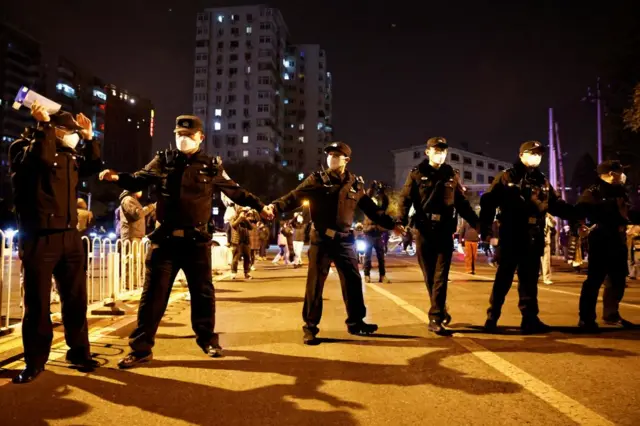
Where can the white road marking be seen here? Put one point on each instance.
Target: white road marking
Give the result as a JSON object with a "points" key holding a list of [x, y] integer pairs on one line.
{"points": [[561, 402]]}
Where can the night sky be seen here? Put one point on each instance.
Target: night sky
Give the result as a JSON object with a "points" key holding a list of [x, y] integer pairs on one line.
{"points": [[475, 71]]}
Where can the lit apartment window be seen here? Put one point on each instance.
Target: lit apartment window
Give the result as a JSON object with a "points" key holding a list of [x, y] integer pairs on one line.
{"points": [[245, 139], [220, 18], [248, 29], [245, 153], [218, 112], [217, 125], [301, 127], [301, 139]]}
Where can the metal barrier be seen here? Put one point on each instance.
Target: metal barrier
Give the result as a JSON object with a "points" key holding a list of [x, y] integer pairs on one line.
{"points": [[115, 272], [221, 258]]}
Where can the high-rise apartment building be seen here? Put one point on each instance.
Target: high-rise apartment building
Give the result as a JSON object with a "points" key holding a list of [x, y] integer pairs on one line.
{"points": [[308, 102], [20, 65], [238, 81]]}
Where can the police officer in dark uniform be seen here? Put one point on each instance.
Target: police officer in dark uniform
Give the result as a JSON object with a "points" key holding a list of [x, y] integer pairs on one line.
{"points": [[606, 205], [524, 196], [186, 179], [374, 234], [45, 170], [333, 196], [433, 189]]}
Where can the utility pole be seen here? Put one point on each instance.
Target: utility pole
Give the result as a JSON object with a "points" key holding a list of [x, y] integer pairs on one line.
{"points": [[560, 166], [552, 151], [597, 99]]}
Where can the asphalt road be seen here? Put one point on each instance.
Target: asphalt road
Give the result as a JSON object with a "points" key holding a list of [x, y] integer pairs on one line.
{"points": [[402, 376]]}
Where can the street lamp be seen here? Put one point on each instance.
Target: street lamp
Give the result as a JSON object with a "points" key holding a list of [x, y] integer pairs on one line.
{"points": [[305, 203]]}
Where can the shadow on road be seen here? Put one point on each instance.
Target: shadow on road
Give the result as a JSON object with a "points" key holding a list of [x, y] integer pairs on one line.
{"points": [[262, 299]]}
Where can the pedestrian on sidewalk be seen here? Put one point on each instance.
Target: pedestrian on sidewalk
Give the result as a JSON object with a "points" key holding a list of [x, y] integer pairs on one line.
{"points": [[186, 180], [333, 196], [283, 244], [470, 238], [373, 234], [299, 230], [45, 171], [254, 237], [241, 242], [265, 234]]}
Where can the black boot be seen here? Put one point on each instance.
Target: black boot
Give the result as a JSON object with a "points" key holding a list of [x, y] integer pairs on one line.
{"points": [[619, 321], [362, 328], [533, 326], [28, 375], [491, 326], [590, 327], [134, 359], [435, 326], [82, 362]]}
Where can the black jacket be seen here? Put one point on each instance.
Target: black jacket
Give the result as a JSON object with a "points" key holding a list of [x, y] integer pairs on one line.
{"points": [[333, 200], [45, 176], [370, 227], [608, 207], [435, 192], [524, 196], [185, 186]]}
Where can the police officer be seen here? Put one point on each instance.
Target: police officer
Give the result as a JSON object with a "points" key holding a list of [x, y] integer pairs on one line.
{"points": [[333, 196], [433, 189], [45, 170], [373, 234], [186, 179], [524, 196], [606, 205]]}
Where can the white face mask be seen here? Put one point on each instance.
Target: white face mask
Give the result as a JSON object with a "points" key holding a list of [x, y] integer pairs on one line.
{"points": [[71, 140], [531, 160], [187, 144], [335, 162], [437, 157], [609, 178]]}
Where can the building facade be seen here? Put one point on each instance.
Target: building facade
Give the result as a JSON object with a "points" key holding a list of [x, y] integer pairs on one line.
{"points": [[308, 107], [20, 65], [238, 81], [128, 130]]}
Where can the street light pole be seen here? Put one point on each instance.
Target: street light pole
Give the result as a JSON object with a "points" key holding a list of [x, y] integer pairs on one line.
{"points": [[597, 99], [599, 112]]}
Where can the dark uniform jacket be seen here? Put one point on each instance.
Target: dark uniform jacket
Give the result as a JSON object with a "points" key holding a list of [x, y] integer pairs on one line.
{"points": [[524, 197], [436, 195], [333, 200], [608, 208], [185, 186], [371, 228], [45, 175]]}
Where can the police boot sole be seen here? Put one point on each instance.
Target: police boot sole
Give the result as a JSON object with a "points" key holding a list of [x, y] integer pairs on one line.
{"points": [[311, 341], [127, 362], [362, 332], [215, 353]]}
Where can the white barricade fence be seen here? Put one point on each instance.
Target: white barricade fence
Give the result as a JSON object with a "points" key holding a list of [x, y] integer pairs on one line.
{"points": [[221, 257], [115, 271], [7, 282]]}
